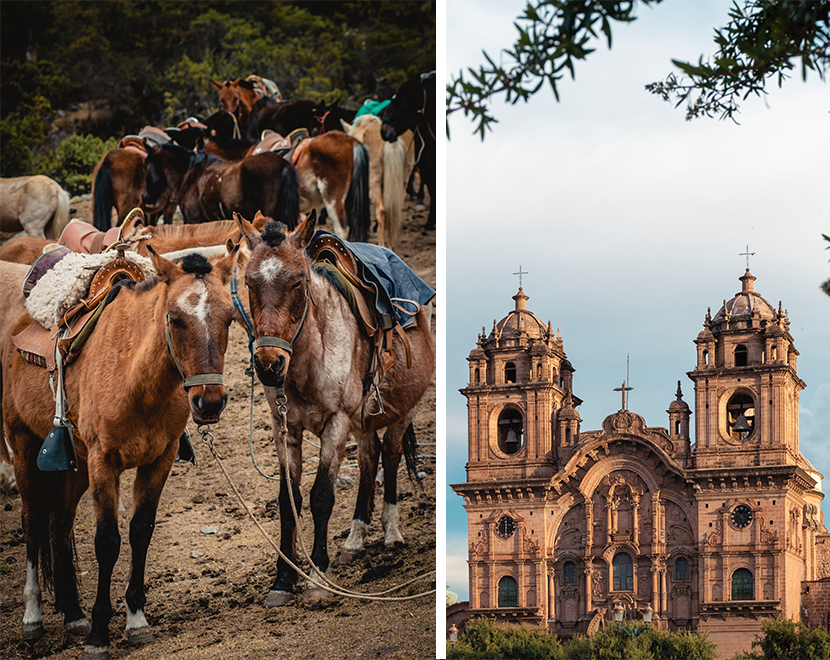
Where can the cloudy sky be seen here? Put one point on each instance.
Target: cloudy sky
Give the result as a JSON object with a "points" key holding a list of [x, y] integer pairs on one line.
{"points": [[630, 222]]}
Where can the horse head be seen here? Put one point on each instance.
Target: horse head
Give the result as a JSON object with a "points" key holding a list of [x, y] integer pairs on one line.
{"points": [[198, 314], [277, 277], [164, 168], [228, 97], [412, 104]]}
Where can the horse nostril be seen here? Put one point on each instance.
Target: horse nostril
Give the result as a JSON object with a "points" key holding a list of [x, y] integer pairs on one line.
{"points": [[279, 367]]}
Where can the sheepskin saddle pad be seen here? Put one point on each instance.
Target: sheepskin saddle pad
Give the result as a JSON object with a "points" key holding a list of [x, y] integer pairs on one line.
{"points": [[78, 277]]}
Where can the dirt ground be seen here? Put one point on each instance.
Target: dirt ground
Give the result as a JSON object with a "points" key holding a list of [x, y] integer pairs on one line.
{"points": [[209, 568]]}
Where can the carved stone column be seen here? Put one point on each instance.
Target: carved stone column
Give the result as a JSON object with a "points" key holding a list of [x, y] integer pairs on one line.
{"points": [[635, 505], [589, 521], [589, 573], [551, 594]]}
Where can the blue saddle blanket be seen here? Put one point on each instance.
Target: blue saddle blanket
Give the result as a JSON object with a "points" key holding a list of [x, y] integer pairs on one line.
{"points": [[396, 286]]}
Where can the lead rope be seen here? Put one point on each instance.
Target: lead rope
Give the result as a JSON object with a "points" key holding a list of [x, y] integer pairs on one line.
{"points": [[207, 438]]}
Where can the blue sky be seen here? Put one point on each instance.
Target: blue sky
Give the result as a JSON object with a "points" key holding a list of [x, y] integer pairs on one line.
{"points": [[629, 221]]}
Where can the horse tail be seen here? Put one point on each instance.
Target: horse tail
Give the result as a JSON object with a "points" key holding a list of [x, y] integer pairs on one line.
{"points": [[393, 188], [61, 217], [288, 200], [103, 198], [357, 201], [410, 454], [47, 490]]}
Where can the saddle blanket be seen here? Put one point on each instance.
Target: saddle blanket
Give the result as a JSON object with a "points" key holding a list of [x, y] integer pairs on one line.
{"points": [[399, 292]]}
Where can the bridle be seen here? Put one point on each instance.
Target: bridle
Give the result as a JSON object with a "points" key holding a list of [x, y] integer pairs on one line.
{"points": [[279, 342], [188, 381]]}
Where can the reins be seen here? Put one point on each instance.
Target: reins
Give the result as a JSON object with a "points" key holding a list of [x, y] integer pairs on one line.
{"points": [[207, 438]]}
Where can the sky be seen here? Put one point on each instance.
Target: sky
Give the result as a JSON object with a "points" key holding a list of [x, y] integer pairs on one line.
{"points": [[630, 222]]}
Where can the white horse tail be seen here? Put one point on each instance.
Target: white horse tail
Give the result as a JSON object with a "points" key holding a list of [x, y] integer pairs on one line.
{"points": [[61, 217], [394, 183]]}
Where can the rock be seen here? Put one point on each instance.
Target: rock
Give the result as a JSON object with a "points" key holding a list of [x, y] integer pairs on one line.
{"points": [[196, 553], [209, 529]]}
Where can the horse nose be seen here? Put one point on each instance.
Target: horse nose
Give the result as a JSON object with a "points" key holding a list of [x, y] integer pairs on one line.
{"points": [[270, 367], [388, 133], [208, 405]]}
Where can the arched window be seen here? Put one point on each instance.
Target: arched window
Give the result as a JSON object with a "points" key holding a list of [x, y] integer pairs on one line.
{"points": [[509, 372], [510, 432], [681, 569], [740, 416], [740, 355], [705, 357], [539, 371], [743, 586], [478, 377], [508, 592], [623, 572], [568, 572]]}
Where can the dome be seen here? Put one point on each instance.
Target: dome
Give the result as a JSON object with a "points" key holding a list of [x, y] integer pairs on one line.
{"points": [[520, 322], [745, 305]]}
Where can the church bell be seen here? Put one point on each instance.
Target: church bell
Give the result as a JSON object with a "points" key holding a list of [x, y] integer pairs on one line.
{"points": [[742, 425]]}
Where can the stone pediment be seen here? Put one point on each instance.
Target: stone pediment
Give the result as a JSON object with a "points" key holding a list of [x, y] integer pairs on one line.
{"points": [[625, 422]]}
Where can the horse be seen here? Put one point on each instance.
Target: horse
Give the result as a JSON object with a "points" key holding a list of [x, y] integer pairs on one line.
{"points": [[34, 204], [118, 180], [154, 360], [285, 116], [208, 188], [390, 164], [237, 98], [312, 358], [413, 108], [334, 174]]}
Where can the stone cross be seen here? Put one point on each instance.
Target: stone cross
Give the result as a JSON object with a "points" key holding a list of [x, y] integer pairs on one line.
{"points": [[623, 388]]}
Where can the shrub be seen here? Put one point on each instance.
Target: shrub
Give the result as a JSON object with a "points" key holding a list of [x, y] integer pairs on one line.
{"points": [[72, 163], [484, 640]]}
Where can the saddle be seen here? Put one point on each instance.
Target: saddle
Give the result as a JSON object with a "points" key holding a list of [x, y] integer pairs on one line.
{"points": [[273, 141], [373, 280]]}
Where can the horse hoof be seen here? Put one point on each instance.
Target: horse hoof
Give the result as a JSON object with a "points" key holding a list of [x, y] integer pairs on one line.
{"points": [[139, 636], [33, 631], [314, 594], [278, 598], [96, 653], [78, 627], [394, 544], [347, 557]]}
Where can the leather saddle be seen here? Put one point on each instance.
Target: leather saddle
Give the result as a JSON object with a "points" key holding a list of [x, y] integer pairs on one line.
{"points": [[273, 141]]}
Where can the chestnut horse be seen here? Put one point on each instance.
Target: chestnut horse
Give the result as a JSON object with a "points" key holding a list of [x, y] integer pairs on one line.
{"points": [[208, 188], [413, 108], [155, 358], [237, 98], [310, 349], [34, 204], [117, 181]]}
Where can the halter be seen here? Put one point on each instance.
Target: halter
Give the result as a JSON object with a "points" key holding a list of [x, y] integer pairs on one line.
{"points": [[189, 381], [322, 120], [278, 342]]}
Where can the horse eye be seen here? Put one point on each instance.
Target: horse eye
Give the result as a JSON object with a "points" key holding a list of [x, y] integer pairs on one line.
{"points": [[174, 320], [296, 285]]}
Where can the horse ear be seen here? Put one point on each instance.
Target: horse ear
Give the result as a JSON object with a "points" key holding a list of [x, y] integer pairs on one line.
{"points": [[248, 231], [303, 233], [347, 127], [164, 267], [224, 266], [218, 84]]}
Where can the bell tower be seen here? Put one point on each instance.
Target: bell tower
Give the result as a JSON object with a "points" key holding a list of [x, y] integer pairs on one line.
{"points": [[756, 493], [520, 382]]}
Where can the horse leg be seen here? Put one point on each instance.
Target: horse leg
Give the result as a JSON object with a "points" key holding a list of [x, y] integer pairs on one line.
{"points": [[26, 475], [291, 464], [396, 437], [335, 201], [104, 482], [149, 482], [368, 454], [62, 521], [332, 451]]}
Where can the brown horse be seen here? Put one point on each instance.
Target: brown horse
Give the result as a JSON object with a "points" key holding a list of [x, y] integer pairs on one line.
{"points": [[34, 204], [118, 181], [126, 399], [208, 188], [390, 164], [237, 98], [309, 347]]}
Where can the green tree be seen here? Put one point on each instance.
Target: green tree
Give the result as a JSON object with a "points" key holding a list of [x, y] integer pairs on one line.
{"points": [[762, 40], [784, 639], [485, 640]]}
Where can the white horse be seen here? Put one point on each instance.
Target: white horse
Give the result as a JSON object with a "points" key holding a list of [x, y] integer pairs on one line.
{"points": [[34, 204], [390, 164]]}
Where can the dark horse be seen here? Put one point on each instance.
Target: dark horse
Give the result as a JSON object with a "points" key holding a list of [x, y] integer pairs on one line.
{"points": [[208, 188], [125, 394], [286, 116], [413, 108], [309, 345]]}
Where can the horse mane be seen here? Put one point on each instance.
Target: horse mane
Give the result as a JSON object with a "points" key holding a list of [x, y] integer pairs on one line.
{"points": [[274, 233], [192, 230], [196, 264]]}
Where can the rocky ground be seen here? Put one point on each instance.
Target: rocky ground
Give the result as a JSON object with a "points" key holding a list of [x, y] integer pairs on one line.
{"points": [[209, 568]]}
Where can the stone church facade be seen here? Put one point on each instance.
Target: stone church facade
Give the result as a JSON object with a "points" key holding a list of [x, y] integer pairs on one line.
{"points": [[714, 533]]}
